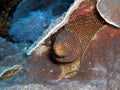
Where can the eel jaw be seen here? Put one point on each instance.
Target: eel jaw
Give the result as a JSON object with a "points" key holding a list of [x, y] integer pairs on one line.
{"points": [[66, 47], [59, 50]]}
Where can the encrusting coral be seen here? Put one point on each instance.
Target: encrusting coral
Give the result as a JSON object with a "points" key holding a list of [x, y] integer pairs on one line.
{"points": [[72, 35], [53, 28], [6, 10], [32, 17], [10, 71], [110, 13]]}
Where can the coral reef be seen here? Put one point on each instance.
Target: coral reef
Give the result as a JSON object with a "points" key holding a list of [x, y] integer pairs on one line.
{"points": [[9, 72], [97, 71], [53, 28], [68, 17], [57, 7], [75, 36], [110, 12], [7, 8], [32, 17], [3, 27], [101, 58], [97, 68], [26, 6], [29, 28], [8, 48]]}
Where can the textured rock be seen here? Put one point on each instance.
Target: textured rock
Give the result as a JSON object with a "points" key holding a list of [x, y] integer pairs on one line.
{"points": [[98, 70], [54, 6], [6, 10], [52, 29], [9, 49], [32, 17], [35, 70], [9, 72], [101, 58], [99, 67], [62, 85], [74, 36], [110, 12], [29, 28]]}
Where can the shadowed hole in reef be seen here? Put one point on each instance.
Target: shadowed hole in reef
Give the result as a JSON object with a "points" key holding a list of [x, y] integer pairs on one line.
{"points": [[7, 8]]}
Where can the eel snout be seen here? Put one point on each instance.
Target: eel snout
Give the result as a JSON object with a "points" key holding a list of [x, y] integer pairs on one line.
{"points": [[65, 47], [74, 37]]}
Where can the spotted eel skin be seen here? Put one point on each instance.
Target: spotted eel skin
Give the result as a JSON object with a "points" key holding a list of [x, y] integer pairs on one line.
{"points": [[73, 38]]}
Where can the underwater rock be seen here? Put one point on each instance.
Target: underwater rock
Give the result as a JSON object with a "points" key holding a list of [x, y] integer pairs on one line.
{"points": [[53, 28], [110, 12], [74, 36], [101, 58], [9, 72], [54, 6], [57, 7], [98, 70], [7, 8], [62, 85], [32, 17], [3, 27], [9, 49], [34, 69], [27, 6], [29, 28]]}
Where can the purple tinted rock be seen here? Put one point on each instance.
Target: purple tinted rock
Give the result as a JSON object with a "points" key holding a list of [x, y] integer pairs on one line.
{"points": [[27, 6], [109, 10], [101, 58], [7, 48]]}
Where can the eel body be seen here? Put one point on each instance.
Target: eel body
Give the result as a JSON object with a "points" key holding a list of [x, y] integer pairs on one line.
{"points": [[73, 38]]}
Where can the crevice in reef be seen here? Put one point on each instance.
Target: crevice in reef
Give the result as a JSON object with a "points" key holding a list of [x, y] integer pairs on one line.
{"points": [[7, 8]]}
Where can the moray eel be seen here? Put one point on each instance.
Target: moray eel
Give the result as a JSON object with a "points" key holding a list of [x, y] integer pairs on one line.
{"points": [[73, 38], [66, 46]]}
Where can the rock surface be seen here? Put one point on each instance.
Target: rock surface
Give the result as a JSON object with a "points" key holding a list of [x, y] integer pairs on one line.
{"points": [[57, 7], [99, 68], [32, 17]]}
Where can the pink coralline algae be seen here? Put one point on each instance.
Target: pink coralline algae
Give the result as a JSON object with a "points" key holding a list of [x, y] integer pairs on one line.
{"points": [[84, 10]]}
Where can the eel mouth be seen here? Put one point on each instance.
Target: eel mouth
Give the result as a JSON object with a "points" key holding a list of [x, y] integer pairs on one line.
{"points": [[66, 46], [71, 42], [59, 50]]}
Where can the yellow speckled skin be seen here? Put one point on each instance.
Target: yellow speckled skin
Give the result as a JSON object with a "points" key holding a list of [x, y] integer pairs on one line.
{"points": [[75, 35]]}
